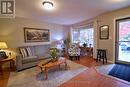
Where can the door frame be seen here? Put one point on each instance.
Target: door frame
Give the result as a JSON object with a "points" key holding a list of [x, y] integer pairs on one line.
{"points": [[117, 40]]}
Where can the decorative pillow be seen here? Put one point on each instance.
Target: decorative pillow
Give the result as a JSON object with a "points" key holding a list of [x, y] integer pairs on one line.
{"points": [[28, 49], [23, 52]]}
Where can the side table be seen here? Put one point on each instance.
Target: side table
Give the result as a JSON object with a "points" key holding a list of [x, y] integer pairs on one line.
{"points": [[11, 60]]}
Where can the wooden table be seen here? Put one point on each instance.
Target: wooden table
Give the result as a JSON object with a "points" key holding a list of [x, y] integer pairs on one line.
{"points": [[86, 51], [11, 60], [46, 67], [92, 78]]}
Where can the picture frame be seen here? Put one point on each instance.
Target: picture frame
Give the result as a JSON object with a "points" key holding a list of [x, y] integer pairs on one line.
{"points": [[104, 32], [36, 35]]}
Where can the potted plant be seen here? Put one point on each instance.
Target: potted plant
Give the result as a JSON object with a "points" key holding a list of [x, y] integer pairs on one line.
{"points": [[66, 43], [53, 53]]}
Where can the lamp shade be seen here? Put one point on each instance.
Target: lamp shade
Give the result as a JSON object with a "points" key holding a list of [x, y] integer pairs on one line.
{"points": [[3, 45]]}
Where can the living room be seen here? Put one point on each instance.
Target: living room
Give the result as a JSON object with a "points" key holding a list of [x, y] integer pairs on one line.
{"points": [[37, 43]]}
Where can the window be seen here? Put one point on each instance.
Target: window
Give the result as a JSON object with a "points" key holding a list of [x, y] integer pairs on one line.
{"points": [[86, 36], [83, 36]]}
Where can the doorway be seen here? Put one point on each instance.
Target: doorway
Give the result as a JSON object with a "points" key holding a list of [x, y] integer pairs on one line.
{"points": [[123, 41]]}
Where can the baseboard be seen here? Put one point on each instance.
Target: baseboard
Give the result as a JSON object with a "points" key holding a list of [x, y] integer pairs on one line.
{"points": [[110, 61], [107, 60], [94, 58]]}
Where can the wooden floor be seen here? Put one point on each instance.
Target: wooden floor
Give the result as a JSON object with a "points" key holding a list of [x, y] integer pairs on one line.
{"points": [[92, 78], [4, 76], [86, 61]]}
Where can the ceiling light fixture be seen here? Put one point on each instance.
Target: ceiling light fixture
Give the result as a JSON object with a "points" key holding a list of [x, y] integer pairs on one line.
{"points": [[48, 5]]}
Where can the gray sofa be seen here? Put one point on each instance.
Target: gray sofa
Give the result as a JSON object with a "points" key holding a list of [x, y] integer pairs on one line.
{"points": [[37, 53]]}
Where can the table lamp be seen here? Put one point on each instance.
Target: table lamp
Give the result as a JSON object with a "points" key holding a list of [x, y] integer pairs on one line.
{"points": [[3, 45]]}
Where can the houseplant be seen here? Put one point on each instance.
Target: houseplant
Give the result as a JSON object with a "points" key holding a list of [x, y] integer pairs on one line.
{"points": [[66, 43], [53, 53]]}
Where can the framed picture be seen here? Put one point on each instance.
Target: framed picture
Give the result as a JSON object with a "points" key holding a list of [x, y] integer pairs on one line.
{"points": [[104, 32], [36, 35]]}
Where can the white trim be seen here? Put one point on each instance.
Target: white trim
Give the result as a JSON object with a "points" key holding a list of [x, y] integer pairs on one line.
{"points": [[114, 38], [121, 17], [109, 61], [94, 58], [114, 35], [95, 39], [71, 34]]}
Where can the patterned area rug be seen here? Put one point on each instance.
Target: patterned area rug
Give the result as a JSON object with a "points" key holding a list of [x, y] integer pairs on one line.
{"points": [[33, 78]]}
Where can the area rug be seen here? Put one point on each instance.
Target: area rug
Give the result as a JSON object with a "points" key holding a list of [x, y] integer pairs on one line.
{"points": [[33, 78], [104, 69], [121, 71]]}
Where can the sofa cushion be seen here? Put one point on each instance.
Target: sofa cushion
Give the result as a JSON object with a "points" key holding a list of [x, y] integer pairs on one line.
{"points": [[29, 51], [32, 48], [46, 56], [23, 51], [30, 59]]}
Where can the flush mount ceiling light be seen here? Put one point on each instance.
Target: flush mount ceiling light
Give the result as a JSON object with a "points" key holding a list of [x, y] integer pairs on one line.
{"points": [[48, 5]]}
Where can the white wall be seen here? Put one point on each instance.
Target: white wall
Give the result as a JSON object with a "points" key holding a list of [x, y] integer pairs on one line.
{"points": [[11, 31], [106, 19]]}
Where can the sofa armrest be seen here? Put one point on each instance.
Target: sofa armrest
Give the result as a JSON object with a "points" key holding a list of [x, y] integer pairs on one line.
{"points": [[19, 62]]}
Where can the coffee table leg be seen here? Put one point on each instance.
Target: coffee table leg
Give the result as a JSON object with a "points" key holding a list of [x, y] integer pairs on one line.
{"points": [[59, 66], [41, 69], [46, 73], [65, 65], [1, 71]]}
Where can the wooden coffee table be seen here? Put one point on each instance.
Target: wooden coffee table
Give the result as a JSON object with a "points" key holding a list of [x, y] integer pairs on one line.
{"points": [[46, 67]]}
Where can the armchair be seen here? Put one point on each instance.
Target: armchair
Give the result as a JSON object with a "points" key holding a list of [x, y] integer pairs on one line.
{"points": [[74, 51]]}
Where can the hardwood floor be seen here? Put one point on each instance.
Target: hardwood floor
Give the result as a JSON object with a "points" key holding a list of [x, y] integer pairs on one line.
{"points": [[86, 61], [91, 78], [4, 76]]}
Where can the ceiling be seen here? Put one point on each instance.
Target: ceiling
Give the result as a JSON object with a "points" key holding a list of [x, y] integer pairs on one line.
{"points": [[67, 12]]}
